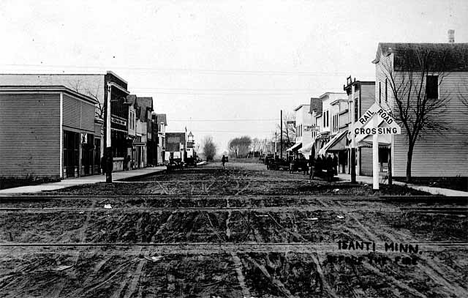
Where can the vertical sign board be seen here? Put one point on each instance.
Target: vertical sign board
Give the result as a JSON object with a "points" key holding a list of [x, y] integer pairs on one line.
{"points": [[370, 124]]}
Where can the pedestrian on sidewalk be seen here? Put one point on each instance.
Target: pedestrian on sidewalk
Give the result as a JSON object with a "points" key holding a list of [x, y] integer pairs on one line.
{"points": [[311, 167], [335, 165], [103, 165], [126, 163], [329, 166]]}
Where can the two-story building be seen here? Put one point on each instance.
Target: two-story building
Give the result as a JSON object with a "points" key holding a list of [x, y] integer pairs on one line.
{"points": [[430, 82], [315, 109], [364, 98], [303, 129], [327, 122], [161, 123]]}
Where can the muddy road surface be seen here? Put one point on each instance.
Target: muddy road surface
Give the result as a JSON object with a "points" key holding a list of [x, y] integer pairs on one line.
{"points": [[242, 231]]}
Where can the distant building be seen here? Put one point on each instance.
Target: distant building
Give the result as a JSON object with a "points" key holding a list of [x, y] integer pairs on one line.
{"points": [[315, 109], [303, 128], [48, 131], [175, 145], [161, 123], [327, 121], [364, 98], [444, 76]]}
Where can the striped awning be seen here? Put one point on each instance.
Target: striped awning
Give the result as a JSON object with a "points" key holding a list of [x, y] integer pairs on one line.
{"points": [[308, 147], [337, 143], [295, 147]]}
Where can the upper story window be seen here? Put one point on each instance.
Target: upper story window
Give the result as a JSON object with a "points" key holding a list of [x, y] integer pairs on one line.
{"points": [[380, 93], [132, 120], [356, 109], [432, 87], [326, 119]]}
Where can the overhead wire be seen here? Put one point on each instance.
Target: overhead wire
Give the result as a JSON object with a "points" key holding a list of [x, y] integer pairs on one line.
{"points": [[188, 70], [222, 120]]}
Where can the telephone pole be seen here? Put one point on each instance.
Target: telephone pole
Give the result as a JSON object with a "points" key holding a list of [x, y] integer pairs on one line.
{"points": [[281, 134]]}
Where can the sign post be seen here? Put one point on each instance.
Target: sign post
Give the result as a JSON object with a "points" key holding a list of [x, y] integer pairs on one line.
{"points": [[370, 124], [375, 156]]}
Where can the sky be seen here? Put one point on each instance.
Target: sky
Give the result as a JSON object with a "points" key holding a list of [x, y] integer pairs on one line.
{"points": [[223, 69]]}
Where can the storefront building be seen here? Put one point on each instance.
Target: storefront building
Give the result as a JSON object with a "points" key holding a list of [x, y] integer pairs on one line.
{"points": [[48, 131]]}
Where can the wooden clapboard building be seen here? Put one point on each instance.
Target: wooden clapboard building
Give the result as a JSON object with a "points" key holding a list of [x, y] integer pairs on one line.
{"points": [[439, 73], [97, 86], [48, 131]]}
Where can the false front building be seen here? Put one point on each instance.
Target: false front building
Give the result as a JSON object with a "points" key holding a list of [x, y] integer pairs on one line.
{"points": [[48, 132]]}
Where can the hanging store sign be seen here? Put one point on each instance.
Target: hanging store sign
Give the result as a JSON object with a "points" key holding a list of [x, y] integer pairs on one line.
{"points": [[118, 121]]}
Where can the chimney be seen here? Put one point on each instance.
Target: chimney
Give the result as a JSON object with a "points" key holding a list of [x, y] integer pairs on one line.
{"points": [[451, 36]]}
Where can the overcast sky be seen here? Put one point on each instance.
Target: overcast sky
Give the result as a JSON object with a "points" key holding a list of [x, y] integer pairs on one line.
{"points": [[220, 68]]}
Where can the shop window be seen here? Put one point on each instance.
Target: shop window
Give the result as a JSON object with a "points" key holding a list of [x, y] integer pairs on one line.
{"points": [[71, 143]]}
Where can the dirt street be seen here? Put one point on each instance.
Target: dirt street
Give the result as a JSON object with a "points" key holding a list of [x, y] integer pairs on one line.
{"points": [[243, 231]]}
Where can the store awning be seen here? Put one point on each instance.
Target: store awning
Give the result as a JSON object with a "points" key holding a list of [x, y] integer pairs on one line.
{"points": [[337, 143], [295, 147], [307, 147]]}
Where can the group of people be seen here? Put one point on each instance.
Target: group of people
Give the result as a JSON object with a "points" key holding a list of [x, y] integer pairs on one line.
{"points": [[329, 164]]}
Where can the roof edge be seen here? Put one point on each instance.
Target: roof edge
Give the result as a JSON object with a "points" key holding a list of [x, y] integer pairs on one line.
{"points": [[45, 88]]}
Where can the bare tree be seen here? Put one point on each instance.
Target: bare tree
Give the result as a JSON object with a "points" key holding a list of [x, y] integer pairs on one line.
{"points": [[78, 87], [256, 145], [415, 105], [209, 148]]}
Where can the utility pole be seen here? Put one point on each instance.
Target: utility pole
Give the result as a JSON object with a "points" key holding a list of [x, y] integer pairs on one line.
{"points": [[353, 136], [281, 134], [276, 143], [108, 152]]}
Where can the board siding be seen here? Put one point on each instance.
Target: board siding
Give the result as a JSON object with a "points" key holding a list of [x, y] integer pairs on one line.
{"points": [[438, 154], [30, 135], [78, 114]]}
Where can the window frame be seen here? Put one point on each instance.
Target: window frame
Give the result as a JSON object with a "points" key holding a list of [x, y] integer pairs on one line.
{"points": [[436, 76]]}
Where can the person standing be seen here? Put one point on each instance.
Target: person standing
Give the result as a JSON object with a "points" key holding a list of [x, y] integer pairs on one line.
{"points": [[103, 165], [126, 162], [335, 165], [223, 161], [311, 167], [329, 165]]}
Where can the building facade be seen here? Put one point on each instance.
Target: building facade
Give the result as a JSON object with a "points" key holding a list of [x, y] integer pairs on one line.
{"points": [[161, 123], [48, 132], [98, 87], [364, 98], [303, 129], [176, 143], [440, 72], [326, 121]]}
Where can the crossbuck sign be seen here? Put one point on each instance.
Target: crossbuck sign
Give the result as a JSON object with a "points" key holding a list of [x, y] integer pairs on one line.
{"points": [[364, 126]]}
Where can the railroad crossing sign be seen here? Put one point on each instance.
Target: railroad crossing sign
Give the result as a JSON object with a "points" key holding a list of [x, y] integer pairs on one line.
{"points": [[375, 121], [386, 124]]}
